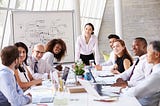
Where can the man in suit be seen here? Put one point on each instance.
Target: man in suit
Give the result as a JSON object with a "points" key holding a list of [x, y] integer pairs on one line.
{"points": [[10, 92]]}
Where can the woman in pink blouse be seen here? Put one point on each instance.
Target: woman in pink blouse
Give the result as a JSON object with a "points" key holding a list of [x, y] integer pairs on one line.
{"points": [[87, 46]]}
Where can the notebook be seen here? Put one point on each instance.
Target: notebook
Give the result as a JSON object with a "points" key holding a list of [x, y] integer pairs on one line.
{"points": [[92, 91]]}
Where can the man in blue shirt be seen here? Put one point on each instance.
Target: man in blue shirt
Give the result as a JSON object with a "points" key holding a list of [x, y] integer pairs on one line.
{"points": [[10, 92]]}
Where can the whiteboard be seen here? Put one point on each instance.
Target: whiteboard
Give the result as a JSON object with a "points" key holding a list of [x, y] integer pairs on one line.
{"points": [[32, 27]]}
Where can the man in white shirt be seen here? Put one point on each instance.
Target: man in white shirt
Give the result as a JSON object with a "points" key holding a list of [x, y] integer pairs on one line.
{"points": [[148, 90], [138, 71], [40, 68], [108, 65]]}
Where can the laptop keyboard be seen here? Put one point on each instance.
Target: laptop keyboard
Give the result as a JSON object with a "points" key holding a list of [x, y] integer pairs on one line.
{"points": [[103, 83]]}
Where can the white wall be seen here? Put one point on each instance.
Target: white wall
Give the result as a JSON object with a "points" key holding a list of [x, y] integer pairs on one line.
{"points": [[140, 18]]}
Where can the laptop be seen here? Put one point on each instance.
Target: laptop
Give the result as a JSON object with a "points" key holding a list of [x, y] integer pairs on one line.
{"points": [[92, 91], [65, 73], [103, 83]]}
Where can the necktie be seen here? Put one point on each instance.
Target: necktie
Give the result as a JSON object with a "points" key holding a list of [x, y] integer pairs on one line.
{"points": [[133, 69], [36, 67], [151, 71]]}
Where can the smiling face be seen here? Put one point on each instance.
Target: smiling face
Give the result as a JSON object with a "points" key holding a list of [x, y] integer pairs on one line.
{"points": [[38, 51], [57, 49], [151, 55], [117, 48], [111, 41], [138, 48], [88, 30], [22, 54]]}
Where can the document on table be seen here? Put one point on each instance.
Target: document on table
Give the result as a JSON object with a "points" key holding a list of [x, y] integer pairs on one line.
{"points": [[42, 94], [106, 99]]}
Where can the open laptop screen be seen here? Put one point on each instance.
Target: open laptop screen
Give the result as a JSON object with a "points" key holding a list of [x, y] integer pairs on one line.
{"points": [[65, 73], [94, 80]]}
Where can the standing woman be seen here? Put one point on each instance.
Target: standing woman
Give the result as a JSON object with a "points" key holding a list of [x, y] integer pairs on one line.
{"points": [[87, 46], [22, 74], [123, 59], [55, 50]]}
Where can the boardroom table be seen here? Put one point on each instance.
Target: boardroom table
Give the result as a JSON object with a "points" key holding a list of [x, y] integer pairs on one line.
{"points": [[84, 99]]}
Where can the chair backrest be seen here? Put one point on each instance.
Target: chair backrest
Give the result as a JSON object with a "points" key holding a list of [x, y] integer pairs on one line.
{"points": [[105, 55]]}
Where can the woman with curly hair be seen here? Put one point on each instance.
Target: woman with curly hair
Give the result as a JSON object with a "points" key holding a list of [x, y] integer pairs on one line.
{"points": [[55, 50]]}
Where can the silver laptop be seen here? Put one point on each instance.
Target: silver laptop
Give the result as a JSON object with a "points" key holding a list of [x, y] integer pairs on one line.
{"points": [[92, 91], [102, 83], [65, 73]]}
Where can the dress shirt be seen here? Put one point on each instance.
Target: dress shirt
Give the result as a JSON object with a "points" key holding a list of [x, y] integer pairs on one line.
{"points": [[86, 49], [43, 68], [108, 65], [148, 91], [49, 57], [142, 69], [10, 90], [22, 76]]}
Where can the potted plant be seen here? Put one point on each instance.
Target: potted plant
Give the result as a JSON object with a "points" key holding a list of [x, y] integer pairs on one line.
{"points": [[79, 68]]}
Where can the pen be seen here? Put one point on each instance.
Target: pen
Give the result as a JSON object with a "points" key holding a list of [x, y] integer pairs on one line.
{"points": [[106, 75]]}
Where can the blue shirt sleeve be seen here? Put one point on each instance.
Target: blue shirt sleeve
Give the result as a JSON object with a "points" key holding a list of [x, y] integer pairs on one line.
{"points": [[11, 90]]}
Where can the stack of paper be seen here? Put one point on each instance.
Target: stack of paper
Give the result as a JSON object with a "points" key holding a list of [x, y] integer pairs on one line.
{"points": [[42, 94]]}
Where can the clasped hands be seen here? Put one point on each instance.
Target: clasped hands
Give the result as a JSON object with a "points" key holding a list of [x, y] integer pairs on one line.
{"points": [[120, 83]]}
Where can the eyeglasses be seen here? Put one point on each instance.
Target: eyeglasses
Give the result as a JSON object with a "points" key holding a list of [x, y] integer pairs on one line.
{"points": [[39, 52]]}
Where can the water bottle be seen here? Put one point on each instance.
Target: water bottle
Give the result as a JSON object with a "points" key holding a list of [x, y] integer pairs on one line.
{"points": [[91, 63], [51, 75], [61, 84], [87, 76]]}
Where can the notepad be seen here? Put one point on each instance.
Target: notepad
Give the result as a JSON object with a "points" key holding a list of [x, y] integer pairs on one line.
{"points": [[36, 100], [42, 94], [76, 89]]}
